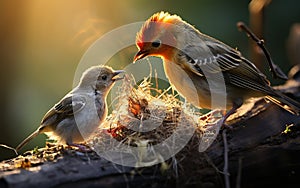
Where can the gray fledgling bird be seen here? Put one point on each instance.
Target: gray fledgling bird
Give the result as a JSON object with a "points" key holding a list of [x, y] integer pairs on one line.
{"points": [[76, 116]]}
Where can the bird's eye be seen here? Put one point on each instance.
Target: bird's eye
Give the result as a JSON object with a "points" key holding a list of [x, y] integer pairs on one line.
{"points": [[156, 43], [104, 77]]}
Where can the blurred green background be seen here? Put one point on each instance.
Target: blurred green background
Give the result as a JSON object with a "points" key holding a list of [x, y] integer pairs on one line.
{"points": [[42, 42]]}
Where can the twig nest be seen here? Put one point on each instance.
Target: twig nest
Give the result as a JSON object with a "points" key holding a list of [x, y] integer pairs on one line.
{"points": [[150, 124]]}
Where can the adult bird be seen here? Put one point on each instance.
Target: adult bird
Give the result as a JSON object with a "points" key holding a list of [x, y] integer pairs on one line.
{"points": [[207, 72]]}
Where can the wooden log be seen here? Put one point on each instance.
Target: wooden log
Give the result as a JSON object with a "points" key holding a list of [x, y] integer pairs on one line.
{"points": [[263, 150]]}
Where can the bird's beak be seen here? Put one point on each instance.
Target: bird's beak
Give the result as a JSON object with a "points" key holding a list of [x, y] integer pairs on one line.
{"points": [[140, 55], [116, 76]]}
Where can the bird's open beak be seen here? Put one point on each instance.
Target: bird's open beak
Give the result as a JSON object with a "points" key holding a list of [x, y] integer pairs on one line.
{"points": [[116, 75], [140, 55]]}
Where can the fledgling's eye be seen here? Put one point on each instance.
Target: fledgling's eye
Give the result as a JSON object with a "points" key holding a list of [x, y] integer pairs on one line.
{"points": [[104, 77], [156, 43]]}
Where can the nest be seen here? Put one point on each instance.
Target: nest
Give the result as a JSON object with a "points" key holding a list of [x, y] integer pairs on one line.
{"points": [[151, 125]]}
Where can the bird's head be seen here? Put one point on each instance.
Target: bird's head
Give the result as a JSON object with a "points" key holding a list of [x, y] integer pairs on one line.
{"points": [[100, 78], [158, 36]]}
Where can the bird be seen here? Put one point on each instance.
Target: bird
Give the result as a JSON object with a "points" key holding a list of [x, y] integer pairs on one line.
{"points": [[77, 115], [205, 71]]}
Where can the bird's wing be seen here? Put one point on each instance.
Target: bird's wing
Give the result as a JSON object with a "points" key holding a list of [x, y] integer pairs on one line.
{"points": [[215, 57], [211, 57], [68, 106]]}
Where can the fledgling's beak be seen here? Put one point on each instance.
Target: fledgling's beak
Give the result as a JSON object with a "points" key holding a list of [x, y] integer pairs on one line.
{"points": [[140, 55], [116, 75]]}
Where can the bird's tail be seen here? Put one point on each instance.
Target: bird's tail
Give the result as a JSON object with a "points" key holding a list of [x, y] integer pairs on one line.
{"points": [[30, 137], [285, 102]]}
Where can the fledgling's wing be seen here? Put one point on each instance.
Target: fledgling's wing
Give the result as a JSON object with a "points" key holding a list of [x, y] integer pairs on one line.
{"points": [[67, 107], [70, 105]]}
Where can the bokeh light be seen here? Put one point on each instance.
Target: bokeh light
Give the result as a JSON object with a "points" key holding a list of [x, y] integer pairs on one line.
{"points": [[42, 43]]}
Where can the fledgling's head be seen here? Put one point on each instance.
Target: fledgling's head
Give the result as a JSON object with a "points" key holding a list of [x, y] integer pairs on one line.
{"points": [[100, 78], [158, 36]]}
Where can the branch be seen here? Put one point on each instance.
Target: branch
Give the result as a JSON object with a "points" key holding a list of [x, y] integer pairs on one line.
{"points": [[276, 71], [225, 169]]}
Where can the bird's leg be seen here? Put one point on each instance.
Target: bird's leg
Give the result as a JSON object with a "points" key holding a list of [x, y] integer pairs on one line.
{"points": [[236, 105], [211, 119]]}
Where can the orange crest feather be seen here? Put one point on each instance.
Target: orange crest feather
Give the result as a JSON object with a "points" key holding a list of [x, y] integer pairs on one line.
{"points": [[150, 28]]}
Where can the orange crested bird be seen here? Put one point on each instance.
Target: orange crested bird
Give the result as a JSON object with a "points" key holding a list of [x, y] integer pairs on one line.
{"points": [[207, 72]]}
